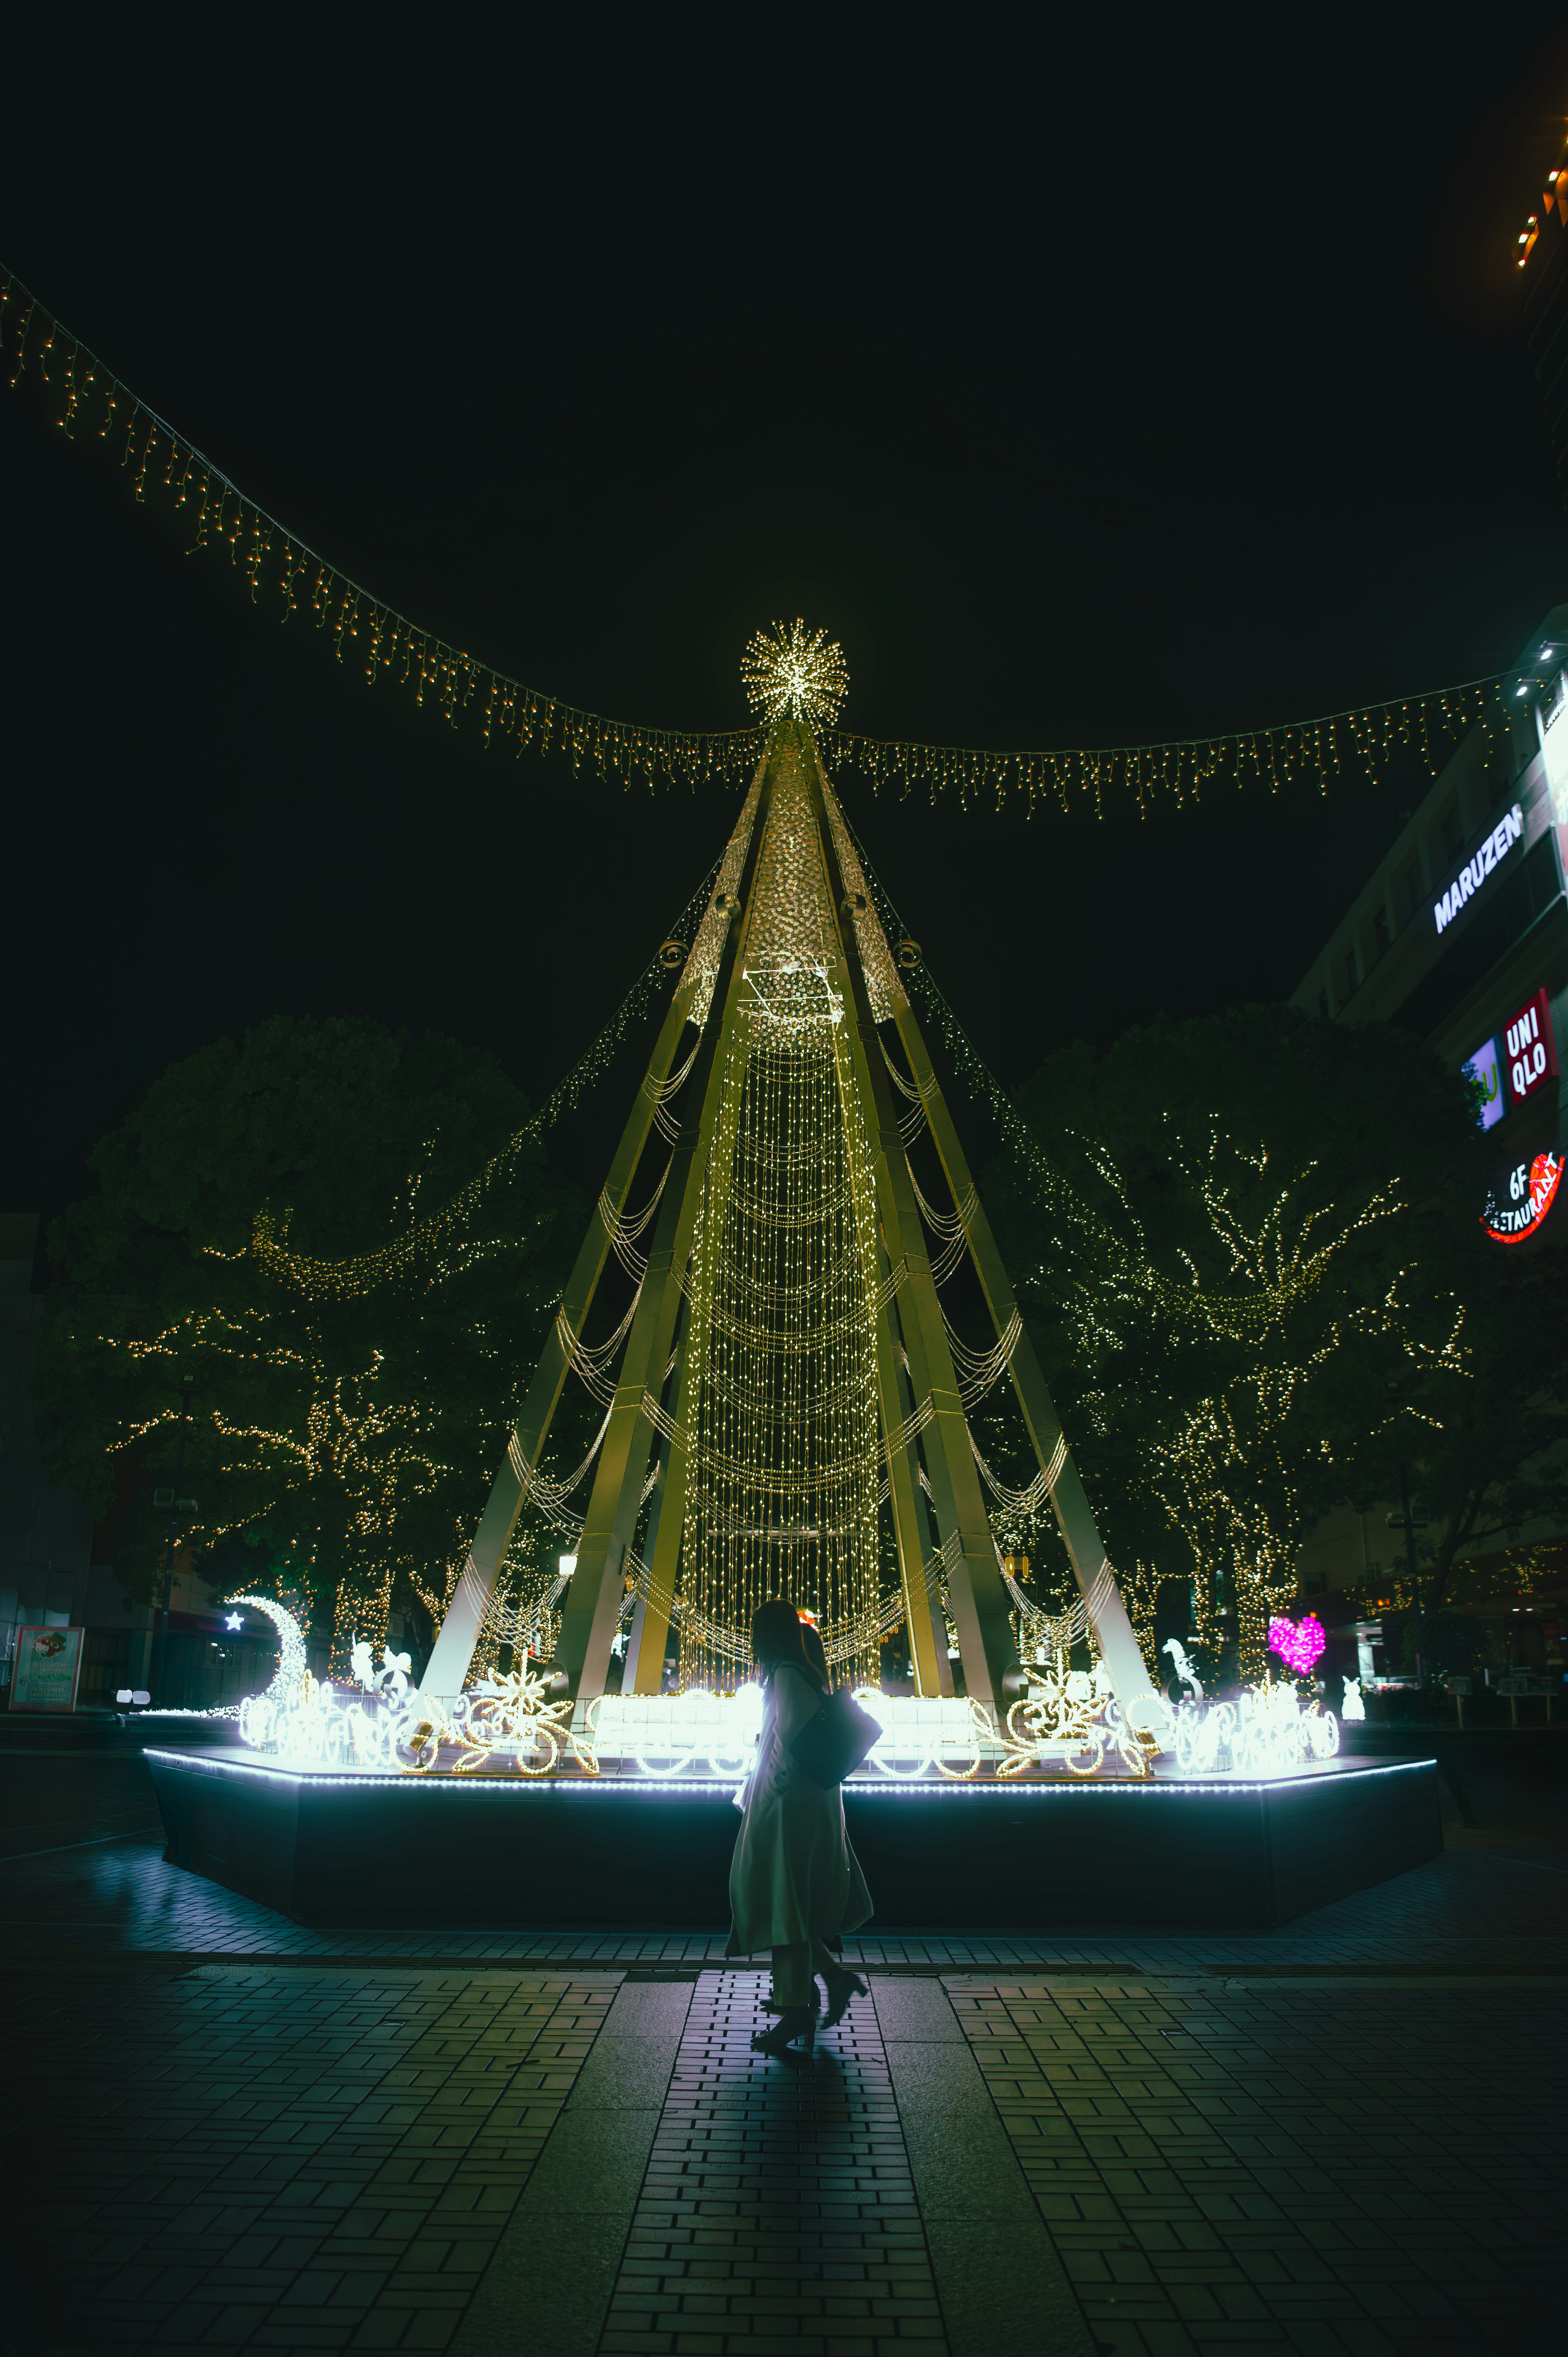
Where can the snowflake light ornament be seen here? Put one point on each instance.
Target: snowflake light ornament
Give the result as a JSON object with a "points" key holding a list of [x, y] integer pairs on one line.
{"points": [[795, 675]]}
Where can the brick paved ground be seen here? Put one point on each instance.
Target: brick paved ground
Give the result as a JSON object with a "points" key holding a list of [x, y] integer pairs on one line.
{"points": [[1325, 2169], [1473, 1909], [1341, 2136], [778, 2209], [247, 2160]]}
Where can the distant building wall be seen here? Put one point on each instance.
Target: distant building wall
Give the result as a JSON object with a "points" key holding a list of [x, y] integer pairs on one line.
{"points": [[46, 1533], [1459, 932]]}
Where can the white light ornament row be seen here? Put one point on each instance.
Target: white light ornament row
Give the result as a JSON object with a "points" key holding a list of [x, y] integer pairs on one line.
{"points": [[1070, 1718], [1266, 1731], [512, 1721]]}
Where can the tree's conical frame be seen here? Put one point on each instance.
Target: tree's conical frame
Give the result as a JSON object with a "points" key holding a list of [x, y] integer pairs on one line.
{"points": [[791, 868]]}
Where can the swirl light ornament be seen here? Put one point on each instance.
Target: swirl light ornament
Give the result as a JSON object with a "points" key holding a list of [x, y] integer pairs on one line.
{"points": [[1264, 1732], [795, 675]]}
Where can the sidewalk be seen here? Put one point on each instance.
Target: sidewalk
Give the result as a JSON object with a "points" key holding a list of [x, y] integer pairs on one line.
{"points": [[1341, 2136]]}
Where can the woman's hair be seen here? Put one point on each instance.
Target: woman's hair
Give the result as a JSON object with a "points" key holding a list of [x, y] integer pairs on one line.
{"points": [[815, 1652], [778, 1633]]}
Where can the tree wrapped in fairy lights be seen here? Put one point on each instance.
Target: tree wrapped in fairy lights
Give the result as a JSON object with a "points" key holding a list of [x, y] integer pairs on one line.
{"points": [[1255, 1303], [334, 1437]]}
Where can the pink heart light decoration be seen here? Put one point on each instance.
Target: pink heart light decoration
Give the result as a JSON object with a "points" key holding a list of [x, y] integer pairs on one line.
{"points": [[1298, 1643]]}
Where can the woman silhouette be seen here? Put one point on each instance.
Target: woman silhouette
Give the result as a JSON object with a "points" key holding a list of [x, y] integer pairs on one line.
{"points": [[795, 1885]]}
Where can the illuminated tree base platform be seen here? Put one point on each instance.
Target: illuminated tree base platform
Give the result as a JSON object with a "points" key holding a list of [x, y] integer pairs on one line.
{"points": [[1165, 1852]]}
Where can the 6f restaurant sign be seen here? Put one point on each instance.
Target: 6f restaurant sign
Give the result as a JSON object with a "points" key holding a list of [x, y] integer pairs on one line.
{"points": [[1516, 1206], [1525, 1058]]}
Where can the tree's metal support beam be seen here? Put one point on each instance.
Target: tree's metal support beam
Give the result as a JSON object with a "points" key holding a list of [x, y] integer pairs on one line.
{"points": [[638, 1629], [911, 1523], [979, 1600], [593, 1601], [1075, 1518], [920, 1598], [664, 1550], [448, 1665]]}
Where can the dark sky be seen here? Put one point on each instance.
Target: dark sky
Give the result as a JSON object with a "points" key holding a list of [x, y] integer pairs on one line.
{"points": [[1089, 387]]}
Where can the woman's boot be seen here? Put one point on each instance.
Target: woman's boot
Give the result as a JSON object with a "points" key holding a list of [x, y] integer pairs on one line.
{"points": [[796, 2023], [840, 1985]]}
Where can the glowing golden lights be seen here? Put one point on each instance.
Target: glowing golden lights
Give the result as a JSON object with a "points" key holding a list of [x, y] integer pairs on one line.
{"points": [[788, 672], [795, 675]]}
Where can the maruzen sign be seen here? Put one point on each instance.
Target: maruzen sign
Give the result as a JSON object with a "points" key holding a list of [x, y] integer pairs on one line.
{"points": [[1508, 830]]}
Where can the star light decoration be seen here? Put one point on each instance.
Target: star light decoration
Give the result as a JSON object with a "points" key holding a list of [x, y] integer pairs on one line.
{"points": [[795, 675]]}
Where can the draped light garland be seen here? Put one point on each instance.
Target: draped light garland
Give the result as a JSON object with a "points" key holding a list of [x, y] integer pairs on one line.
{"points": [[1220, 1474], [1282, 1270], [89, 404], [417, 1251]]}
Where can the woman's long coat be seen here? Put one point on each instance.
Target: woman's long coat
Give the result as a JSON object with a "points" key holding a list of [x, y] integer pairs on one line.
{"points": [[793, 1872]]}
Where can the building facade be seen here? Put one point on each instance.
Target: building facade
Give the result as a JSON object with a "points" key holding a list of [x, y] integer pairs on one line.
{"points": [[1460, 935]]}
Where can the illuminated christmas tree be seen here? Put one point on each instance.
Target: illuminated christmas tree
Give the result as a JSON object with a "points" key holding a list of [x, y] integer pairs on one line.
{"points": [[785, 1371]]}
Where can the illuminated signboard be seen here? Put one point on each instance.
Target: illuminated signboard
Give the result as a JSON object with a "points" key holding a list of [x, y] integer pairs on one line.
{"points": [[1532, 1057], [1485, 1074], [1518, 1208], [1508, 830]]}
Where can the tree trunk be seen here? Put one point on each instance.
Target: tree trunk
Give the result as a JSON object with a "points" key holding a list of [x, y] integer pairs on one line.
{"points": [[1459, 1527]]}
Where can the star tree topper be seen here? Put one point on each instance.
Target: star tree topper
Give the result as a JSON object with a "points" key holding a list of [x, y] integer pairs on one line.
{"points": [[796, 674]]}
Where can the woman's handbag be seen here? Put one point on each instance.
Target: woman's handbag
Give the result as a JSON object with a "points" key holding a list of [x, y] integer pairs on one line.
{"points": [[835, 1740]]}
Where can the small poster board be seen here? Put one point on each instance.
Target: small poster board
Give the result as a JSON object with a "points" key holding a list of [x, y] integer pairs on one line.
{"points": [[49, 1666]]}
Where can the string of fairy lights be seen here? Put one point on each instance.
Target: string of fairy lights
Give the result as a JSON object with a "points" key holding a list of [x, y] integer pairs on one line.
{"points": [[1219, 1472], [1279, 1279], [782, 1439], [417, 1250], [378, 1456], [89, 404], [783, 1466], [783, 1462]]}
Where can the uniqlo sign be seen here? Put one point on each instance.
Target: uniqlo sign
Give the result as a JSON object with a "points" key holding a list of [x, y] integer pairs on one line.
{"points": [[1531, 1059]]}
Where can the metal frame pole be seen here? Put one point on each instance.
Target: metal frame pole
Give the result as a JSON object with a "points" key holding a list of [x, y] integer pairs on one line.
{"points": [[979, 1600], [1075, 1517], [664, 1546], [592, 1601], [454, 1650]]}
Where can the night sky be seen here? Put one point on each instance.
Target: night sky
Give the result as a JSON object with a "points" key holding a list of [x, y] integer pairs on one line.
{"points": [[1112, 387]]}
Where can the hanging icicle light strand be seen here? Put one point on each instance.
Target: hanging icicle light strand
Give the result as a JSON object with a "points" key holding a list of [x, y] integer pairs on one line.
{"points": [[793, 673]]}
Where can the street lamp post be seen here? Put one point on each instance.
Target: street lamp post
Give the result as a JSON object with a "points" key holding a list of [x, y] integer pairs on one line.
{"points": [[177, 1506]]}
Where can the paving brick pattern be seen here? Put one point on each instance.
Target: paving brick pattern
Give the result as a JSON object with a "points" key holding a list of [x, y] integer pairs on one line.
{"points": [[1323, 2170], [1301, 2139], [1468, 1912], [778, 2214], [290, 2161]]}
